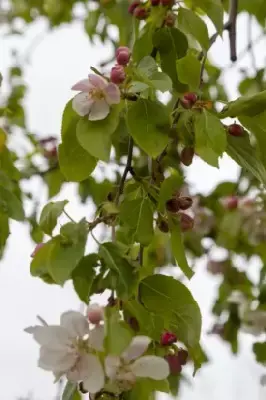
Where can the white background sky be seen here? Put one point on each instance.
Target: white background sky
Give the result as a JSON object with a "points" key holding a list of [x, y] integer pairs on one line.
{"points": [[60, 60]]}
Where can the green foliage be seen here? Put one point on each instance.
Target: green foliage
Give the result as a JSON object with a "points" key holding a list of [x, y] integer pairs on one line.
{"points": [[50, 214], [83, 276], [118, 335], [191, 23], [147, 123], [260, 352], [189, 70]]}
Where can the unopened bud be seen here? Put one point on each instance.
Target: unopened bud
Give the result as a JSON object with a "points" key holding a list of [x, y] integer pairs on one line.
{"points": [[118, 74], [122, 55], [186, 222], [185, 202], [132, 6], [230, 202], [37, 248], [168, 338], [141, 13], [174, 364], [172, 205], [95, 313], [186, 156]]}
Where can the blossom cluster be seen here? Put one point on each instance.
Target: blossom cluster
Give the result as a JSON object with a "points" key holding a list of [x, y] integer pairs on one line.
{"points": [[76, 349]]}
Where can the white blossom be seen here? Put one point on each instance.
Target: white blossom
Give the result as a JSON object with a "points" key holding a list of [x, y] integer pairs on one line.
{"points": [[69, 349], [132, 364]]}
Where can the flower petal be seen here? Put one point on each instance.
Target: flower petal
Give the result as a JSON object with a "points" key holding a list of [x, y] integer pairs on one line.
{"points": [[137, 347], [111, 365], [150, 367], [112, 94], [96, 337], [94, 380], [79, 370], [52, 336], [56, 361], [75, 323], [99, 110], [97, 81], [82, 103], [83, 86]]}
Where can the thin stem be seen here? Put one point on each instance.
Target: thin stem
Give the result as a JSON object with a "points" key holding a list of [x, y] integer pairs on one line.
{"points": [[213, 39], [141, 252], [232, 29], [126, 170], [69, 217], [202, 68], [94, 238]]}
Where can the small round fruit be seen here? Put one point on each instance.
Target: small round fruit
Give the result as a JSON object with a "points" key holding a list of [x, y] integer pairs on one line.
{"points": [[235, 130]]}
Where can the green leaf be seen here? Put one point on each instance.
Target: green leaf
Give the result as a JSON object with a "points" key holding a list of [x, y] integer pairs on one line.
{"points": [[257, 126], [95, 136], [11, 205], [146, 121], [118, 335], [229, 229], [149, 323], [50, 214], [7, 165], [147, 66], [245, 105], [171, 299], [147, 72], [161, 81], [75, 162], [54, 180], [189, 70], [138, 215], [143, 45], [83, 276], [178, 249], [169, 186], [69, 392], [210, 137], [121, 267], [4, 231], [67, 250], [172, 44], [40, 263], [240, 149], [260, 351], [191, 23], [214, 10]]}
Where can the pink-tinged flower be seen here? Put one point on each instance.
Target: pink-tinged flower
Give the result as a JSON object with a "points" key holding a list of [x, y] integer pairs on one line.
{"points": [[168, 338], [95, 97]]}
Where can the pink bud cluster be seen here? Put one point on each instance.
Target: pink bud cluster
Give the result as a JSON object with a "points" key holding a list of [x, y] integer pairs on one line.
{"points": [[118, 74]]}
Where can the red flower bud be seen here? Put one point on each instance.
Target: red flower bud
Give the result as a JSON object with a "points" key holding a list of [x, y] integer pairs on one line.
{"points": [[37, 248], [186, 156], [186, 222], [185, 202], [172, 205], [122, 48], [174, 364], [235, 130], [132, 6], [186, 104], [192, 97], [123, 57], [140, 13], [155, 3], [182, 356], [230, 202], [168, 338], [118, 74]]}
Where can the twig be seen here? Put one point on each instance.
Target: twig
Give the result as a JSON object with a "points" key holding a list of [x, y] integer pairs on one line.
{"points": [[126, 170], [213, 39], [232, 29], [202, 68]]}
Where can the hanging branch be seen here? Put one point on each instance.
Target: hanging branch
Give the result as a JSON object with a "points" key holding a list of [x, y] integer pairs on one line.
{"points": [[232, 29]]}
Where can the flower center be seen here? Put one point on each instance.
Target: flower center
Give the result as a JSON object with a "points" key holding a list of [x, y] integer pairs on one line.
{"points": [[96, 94]]}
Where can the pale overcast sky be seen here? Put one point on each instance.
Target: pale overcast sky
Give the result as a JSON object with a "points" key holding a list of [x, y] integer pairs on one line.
{"points": [[60, 60]]}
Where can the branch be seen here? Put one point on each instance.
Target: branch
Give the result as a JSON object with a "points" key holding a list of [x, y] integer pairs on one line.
{"points": [[126, 170], [232, 29]]}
